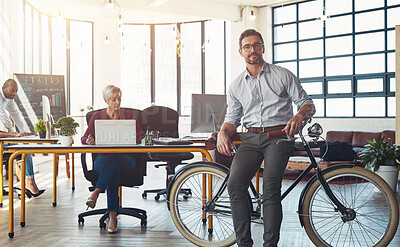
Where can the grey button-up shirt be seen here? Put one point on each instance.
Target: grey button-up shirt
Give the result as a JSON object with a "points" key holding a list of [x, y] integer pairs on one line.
{"points": [[264, 101]]}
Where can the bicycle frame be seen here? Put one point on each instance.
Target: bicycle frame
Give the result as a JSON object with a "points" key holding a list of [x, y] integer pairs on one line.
{"points": [[318, 173], [210, 205]]}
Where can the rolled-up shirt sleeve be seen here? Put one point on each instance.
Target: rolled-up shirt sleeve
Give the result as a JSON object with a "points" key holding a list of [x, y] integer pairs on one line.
{"points": [[234, 111], [296, 92]]}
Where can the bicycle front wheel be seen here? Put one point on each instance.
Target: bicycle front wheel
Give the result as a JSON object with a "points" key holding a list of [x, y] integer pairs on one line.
{"points": [[373, 208], [201, 223]]}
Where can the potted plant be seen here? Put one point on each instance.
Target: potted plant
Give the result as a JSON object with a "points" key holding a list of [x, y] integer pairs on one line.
{"points": [[67, 126], [383, 158], [40, 128]]}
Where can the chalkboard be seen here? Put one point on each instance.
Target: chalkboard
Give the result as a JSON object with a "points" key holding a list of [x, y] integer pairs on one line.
{"points": [[29, 98]]}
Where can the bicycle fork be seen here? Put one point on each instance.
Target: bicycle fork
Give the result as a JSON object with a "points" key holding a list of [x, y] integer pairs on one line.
{"points": [[348, 214]]}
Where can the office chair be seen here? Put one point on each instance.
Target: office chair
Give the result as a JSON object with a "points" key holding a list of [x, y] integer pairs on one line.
{"points": [[165, 120], [128, 179]]}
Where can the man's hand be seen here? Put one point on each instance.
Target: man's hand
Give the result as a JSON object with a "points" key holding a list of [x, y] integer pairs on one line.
{"points": [[294, 125], [24, 134], [224, 145]]}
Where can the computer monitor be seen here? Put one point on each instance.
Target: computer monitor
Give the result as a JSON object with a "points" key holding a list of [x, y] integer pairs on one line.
{"points": [[208, 112], [46, 109]]}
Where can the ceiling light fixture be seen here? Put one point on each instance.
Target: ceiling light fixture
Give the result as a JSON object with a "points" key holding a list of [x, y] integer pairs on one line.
{"points": [[323, 17], [252, 16], [119, 19], [106, 40], [156, 3], [110, 4]]}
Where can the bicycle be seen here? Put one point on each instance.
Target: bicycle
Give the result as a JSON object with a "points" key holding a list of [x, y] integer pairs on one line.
{"points": [[342, 205]]}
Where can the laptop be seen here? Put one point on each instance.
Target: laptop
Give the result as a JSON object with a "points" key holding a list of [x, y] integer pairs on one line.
{"points": [[115, 132]]}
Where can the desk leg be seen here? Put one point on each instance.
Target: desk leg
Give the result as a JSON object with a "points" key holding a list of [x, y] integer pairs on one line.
{"points": [[73, 170], [23, 170], [1, 174], [11, 197], [54, 180], [210, 218]]}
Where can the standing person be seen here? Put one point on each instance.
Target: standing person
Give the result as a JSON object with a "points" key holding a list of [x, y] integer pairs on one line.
{"points": [[109, 166], [10, 109], [263, 95]]}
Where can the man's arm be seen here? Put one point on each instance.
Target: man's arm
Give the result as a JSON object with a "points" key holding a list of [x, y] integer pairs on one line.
{"points": [[294, 124], [7, 134], [224, 145], [5, 119], [17, 117]]}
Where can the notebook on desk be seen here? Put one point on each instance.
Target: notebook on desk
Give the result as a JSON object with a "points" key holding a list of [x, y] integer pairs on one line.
{"points": [[115, 132]]}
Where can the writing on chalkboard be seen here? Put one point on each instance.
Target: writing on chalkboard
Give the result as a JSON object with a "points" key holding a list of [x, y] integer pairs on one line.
{"points": [[29, 98]]}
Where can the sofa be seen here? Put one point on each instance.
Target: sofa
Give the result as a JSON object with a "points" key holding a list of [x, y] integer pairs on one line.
{"points": [[356, 138]]}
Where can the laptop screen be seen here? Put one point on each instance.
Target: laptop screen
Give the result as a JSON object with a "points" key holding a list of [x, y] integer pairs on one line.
{"points": [[113, 132]]}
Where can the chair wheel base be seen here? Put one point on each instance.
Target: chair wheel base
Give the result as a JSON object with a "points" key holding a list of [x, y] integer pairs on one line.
{"points": [[102, 225]]}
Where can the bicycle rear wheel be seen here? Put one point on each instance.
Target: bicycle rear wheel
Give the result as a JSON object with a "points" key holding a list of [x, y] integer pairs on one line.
{"points": [[201, 225], [372, 203]]}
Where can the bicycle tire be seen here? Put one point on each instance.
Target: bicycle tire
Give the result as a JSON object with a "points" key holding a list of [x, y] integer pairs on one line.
{"points": [[187, 213], [375, 206]]}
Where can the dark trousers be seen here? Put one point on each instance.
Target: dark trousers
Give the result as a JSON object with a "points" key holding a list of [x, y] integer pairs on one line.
{"points": [[109, 166], [255, 148]]}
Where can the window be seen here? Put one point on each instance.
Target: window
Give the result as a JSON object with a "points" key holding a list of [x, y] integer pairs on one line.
{"points": [[190, 64], [345, 61], [46, 45], [5, 42], [80, 46], [214, 49], [136, 53], [165, 62], [169, 62]]}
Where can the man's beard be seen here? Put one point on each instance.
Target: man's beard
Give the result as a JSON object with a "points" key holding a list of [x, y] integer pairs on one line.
{"points": [[256, 61]]}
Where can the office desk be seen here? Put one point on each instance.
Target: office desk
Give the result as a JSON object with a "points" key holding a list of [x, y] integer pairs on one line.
{"points": [[20, 140], [57, 149]]}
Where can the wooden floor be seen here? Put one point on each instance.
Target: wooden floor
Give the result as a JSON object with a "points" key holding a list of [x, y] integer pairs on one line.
{"points": [[48, 226]]}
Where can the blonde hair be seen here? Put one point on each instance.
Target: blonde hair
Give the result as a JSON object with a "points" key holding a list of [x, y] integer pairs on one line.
{"points": [[111, 91]]}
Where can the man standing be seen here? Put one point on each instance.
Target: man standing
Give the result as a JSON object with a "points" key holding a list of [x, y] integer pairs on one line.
{"points": [[8, 106], [263, 95]]}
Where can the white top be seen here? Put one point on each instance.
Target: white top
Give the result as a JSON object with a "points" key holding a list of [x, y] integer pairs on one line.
{"points": [[8, 107]]}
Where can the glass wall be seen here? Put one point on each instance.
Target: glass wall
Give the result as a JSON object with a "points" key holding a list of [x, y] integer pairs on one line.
{"points": [[81, 63], [136, 53], [342, 51], [58, 46], [166, 64], [190, 64], [188, 58], [5, 49]]}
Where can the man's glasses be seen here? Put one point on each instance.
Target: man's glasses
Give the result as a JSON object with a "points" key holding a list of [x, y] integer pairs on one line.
{"points": [[256, 46]]}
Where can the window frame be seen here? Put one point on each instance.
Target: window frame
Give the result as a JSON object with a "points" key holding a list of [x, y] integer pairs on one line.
{"points": [[354, 77]]}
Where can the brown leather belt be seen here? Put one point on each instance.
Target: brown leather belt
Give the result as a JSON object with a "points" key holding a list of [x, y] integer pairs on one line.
{"points": [[265, 129]]}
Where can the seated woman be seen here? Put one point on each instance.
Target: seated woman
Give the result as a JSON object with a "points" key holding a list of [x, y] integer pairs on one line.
{"points": [[109, 166], [31, 187]]}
